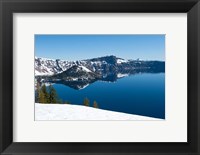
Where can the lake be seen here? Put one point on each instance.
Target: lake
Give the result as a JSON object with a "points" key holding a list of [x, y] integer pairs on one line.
{"points": [[140, 94]]}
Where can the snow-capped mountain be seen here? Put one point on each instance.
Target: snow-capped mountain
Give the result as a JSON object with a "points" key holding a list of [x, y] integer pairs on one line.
{"points": [[49, 67], [79, 74], [45, 66], [76, 73]]}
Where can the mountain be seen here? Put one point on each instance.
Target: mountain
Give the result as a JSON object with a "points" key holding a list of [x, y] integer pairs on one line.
{"points": [[45, 66], [79, 74], [101, 65]]}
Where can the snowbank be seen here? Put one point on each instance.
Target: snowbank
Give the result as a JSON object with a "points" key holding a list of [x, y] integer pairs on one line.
{"points": [[78, 112]]}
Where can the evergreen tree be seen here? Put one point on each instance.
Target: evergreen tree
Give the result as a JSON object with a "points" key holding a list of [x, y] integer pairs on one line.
{"points": [[95, 104], [53, 97], [46, 95], [42, 98], [37, 92], [86, 102], [67, 102], [36, 96]]}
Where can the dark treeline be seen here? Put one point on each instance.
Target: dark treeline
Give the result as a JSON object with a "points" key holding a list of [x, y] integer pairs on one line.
{"points": [[46, 96], [49, 95], [86, 102]]}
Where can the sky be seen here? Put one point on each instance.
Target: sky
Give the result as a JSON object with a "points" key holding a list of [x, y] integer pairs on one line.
{"points": [[80, 47]]}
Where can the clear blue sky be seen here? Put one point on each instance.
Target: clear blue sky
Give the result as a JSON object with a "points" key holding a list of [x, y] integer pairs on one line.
{"points": [[79, 47]]}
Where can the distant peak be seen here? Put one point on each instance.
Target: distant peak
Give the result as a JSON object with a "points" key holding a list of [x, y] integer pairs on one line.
{"points": [[112, 56]]}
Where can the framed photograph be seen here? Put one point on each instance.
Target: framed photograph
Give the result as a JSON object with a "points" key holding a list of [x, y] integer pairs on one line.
{"points": [[83, 74], [101, 77]]}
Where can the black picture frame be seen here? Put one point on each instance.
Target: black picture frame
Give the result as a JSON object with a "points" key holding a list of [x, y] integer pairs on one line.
{"points": [[8, 7]]}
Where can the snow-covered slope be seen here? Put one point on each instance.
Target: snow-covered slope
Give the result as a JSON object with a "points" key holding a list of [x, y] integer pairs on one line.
{"points": [[106, 65], [78, 112], [44, 66], [85, 69]]}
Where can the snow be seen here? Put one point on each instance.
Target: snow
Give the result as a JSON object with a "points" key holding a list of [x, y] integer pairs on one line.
{"points": [[85, 69], [47, 67], [48, 84], [72, 79], [121, 75], [83, 86], [78, 112], [119, 61], [96, 62], [37, 73]]}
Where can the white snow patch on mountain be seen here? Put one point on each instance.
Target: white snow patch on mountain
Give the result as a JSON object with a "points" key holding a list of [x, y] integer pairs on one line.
{"points": [[96, 62], [85, 69], [74, 79], [44, 72], [78, 112], [122, 75], [119, 61]]}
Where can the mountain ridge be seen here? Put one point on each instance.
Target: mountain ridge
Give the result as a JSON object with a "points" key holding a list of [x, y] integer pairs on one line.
{"points": [[49, 67], [79, 74]]}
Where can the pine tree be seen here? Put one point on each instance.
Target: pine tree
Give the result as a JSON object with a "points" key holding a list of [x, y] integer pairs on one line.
{"points": [[46, 95], [53, 97], [67, 102], [95, 104], [37, 92], [37, 96], [86, 102], [42, 98]]}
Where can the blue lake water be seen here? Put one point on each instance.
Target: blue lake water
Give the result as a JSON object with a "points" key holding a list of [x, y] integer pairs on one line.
{"points": [[141, 94]]}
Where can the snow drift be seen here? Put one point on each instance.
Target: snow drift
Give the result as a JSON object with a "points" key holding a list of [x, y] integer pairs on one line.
{"points": [[78, 112]]}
